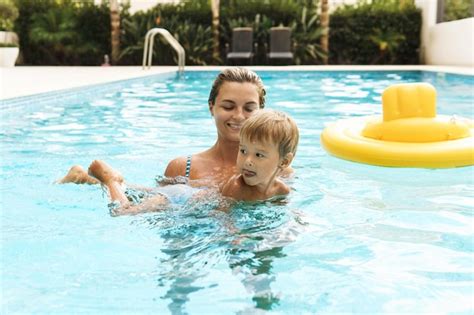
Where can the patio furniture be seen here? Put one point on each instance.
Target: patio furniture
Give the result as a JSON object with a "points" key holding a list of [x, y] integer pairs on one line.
{"points": [[280, 44], [242, 45]]}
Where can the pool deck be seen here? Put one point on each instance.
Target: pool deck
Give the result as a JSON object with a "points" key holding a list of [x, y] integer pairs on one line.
{"points": [[24, 81]]}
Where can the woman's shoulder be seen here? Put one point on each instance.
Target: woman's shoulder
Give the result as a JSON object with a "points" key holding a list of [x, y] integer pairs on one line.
{"points": [[176, 167]]}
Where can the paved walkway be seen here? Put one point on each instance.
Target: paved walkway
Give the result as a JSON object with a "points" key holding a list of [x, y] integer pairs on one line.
{"points": [[23, 81]]}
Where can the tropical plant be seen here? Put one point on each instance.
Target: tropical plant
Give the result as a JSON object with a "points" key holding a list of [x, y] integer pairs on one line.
{"points": [[54, 32], [133, 37], [96, 35], [196, 41], [8, 15], [387, 41], [307, 33], [458, 9]]}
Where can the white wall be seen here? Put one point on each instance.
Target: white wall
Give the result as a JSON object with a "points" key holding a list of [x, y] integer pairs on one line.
{"points": [[141, 5], [448, 43], [451, 43]]}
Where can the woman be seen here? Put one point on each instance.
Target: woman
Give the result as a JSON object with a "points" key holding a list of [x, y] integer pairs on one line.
{"points": [[235, 95]]}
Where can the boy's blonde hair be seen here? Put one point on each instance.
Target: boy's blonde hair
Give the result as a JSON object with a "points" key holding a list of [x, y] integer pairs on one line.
{"points": [[272, 126]]}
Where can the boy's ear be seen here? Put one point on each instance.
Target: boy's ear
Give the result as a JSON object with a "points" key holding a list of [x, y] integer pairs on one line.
{"points": [[286, 161]]}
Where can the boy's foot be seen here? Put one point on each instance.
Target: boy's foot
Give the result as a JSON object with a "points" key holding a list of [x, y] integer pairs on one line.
{"points": [[77, 175], [104, 172]]}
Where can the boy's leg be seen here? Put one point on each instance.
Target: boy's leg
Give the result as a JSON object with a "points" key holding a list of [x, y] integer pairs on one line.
{"points": [[114, 183], [78, 175], [110, 178]]}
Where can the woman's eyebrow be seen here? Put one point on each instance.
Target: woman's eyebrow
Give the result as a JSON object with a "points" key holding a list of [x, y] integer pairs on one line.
{"points": [[228, 101]]}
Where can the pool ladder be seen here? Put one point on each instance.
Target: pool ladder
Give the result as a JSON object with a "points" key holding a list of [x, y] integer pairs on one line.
{"points": [[148, 49]]}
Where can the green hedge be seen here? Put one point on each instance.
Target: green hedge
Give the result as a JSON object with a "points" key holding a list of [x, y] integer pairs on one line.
{"points": [[69, 32], [62, 32], [357, 32], [458, 9]]}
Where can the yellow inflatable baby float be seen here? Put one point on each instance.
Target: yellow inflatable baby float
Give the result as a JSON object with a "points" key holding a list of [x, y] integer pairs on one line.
{"points": [[408, 135]]}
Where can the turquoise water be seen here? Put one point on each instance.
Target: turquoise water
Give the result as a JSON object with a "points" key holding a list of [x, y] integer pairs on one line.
{"points": [[350, 238]]}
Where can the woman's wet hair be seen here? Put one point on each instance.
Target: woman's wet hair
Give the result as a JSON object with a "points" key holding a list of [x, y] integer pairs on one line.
{"points": [[239, 75]]}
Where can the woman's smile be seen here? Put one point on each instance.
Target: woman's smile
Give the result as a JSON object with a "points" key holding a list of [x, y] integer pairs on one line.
{"points": [[235, 126]]}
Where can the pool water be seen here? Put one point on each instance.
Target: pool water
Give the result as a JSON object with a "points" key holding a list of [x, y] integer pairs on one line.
{"points": [[350, 238]]}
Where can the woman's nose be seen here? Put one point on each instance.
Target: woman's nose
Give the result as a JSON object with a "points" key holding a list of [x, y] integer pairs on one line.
{"points": [[239, 114]]}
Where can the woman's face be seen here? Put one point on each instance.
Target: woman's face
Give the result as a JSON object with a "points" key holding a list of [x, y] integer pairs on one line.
{"points": [[235, 102]]}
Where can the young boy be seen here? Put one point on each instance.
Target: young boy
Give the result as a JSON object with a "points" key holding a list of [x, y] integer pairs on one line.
{"points": [[268, 142]]}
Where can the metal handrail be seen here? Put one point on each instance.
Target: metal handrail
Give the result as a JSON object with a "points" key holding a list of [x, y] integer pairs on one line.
{"points": [[148, 49]]}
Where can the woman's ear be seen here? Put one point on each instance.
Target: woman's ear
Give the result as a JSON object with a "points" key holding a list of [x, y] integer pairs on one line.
{"points": [[286, 161], [211, 108]]}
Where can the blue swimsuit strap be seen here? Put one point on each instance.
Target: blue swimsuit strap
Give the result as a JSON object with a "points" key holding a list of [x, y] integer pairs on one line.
{"points": [[188, 166]]}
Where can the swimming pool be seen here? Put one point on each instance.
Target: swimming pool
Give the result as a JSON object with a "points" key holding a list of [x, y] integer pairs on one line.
{"points": [[351, 238]]}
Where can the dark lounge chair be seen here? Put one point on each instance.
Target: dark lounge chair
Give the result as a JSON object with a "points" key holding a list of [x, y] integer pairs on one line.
{"points": [[280, 44], [242, 45]]}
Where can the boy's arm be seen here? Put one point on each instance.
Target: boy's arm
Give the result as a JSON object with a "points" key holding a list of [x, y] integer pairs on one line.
{"points": [[232, 188], [155, 203]]}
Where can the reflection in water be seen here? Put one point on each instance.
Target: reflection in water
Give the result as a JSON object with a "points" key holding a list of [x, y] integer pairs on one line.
{"points": [[199, 241], [256, 273]]}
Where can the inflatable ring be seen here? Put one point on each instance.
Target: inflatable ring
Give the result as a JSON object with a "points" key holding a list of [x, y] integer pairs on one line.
{"points": [[408, 135]]}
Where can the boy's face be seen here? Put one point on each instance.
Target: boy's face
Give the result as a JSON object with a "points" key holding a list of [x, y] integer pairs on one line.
{"points": [[257, 162]]}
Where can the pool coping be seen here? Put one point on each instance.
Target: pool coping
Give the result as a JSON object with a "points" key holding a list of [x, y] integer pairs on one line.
{"points": [[18, 82]]}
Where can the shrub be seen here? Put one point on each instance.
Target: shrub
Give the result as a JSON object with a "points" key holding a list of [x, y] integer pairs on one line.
{"points": [[78, 32], [53, 33], [7, 45], [458, 9], [8, 15], [307, 33], [357, 33], [132, 40], [30, 51]]}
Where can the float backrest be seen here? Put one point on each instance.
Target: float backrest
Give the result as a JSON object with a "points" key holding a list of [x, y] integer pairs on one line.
{"points": [[408, 100]]}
